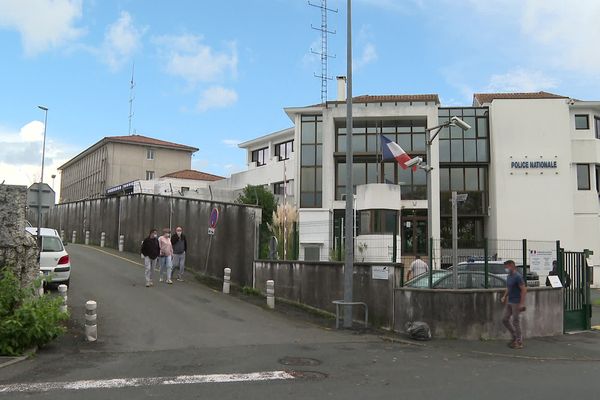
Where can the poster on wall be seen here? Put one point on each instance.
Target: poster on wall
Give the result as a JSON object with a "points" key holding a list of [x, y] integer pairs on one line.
{"points": [[380, 273], [540, 261]]}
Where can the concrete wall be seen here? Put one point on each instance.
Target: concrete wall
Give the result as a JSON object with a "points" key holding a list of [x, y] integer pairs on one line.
{"points": [[477, 314], [233, 245], [18, 249], [318, 284]]}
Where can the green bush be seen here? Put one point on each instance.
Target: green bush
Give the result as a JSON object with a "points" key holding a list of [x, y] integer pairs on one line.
{"points": [[26, 320]]}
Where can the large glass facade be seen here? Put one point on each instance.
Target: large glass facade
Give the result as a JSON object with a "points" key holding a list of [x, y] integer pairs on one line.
{"points": [[464, 160], [368, 167], [311, 162]]}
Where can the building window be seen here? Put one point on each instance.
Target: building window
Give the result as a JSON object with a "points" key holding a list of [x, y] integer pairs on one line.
{"points": [[470, 146], [469, 180], [582, 121], [278, 188], [583, 177], [312, 253], [311, 162], [377, 222], [184, 189], [284, 150], [149, 154], [597, 126], [260, 156], [598, 178], [149, 175]]}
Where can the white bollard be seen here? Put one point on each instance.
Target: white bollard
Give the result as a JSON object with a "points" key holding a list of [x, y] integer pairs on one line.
{"points": [[121, 241], [62, 290], [271, 294], [62, 235], [41, 288], [102, 239], [87, 238], [91, 327], [74, 238], [226, 280]]}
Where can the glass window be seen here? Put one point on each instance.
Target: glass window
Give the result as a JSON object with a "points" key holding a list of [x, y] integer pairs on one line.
{"points": [[359, 173], [597, 126], [444, 151], [377, 222], [51, 244], [456, 151], [371, 173], [457, 179], [308, 154], [389, 173], [284, 150], [470, 133], [470, 150], [482, 128], [471, 179], [260, 156], [307, 179], [312, 253], [444, 179], [583, 177], [582, 121], [149, 154], [149, 175], [482, 150], [308, 132], [311, 156]]}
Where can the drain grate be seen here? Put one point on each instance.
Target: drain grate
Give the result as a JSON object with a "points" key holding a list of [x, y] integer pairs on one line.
{"points": [[308, 375], [299, 361]]}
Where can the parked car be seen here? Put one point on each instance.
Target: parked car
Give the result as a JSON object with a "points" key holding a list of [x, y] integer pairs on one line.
{"points": [[444, 279], [496, 267], [54, 259]]}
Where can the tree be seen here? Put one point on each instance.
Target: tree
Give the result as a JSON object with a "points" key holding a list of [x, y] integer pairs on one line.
{"points": [[259, 196]]}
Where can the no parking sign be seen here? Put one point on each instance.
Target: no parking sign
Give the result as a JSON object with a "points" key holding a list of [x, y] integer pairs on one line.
{"points": [[212, 221]]}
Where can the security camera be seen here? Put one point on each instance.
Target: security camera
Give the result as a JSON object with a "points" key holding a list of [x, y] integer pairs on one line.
{"points": [[460, 123], [414, 161]]}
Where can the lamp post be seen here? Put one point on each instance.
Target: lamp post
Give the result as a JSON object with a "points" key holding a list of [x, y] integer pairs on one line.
{"points": [[349, 250], [39, 193], [53, 176], [429, 138]]}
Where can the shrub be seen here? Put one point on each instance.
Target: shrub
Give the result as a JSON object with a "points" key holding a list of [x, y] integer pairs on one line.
{"points": [[26, 320]]}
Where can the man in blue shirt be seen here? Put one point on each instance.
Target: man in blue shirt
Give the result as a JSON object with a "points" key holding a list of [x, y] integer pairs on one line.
{"points": [[514, 300]]}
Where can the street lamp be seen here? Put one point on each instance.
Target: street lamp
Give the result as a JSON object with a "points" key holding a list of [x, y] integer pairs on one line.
{"points": [[45, 109], [53, 176], [429, 138], [39, 193]]}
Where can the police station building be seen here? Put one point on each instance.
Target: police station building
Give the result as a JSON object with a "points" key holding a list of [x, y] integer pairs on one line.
{"points": [[529, 164]]}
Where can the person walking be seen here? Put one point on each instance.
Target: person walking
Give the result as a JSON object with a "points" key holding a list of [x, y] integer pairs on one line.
{"points": [[514, 303], [179, 242], [417, 267], [566, 279], [150, 250], [166, 256]]}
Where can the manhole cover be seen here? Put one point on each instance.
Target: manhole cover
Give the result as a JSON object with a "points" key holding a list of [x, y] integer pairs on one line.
{"points": [[308, 375], [299, 361]]}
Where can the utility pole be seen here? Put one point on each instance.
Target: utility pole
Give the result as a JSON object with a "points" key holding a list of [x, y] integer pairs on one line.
{"points": [[39, 193], [131, 96], [349, 262], [455, 239]]}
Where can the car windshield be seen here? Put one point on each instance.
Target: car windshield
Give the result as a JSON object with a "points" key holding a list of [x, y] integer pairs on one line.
{"points": [[51, 244], [493, 267]]}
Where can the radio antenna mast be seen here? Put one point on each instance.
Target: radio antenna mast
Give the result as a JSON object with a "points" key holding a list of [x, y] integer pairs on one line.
{"points": [[131, 96], [323, 53]]}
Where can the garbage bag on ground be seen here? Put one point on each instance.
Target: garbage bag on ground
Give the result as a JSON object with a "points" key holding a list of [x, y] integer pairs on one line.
{"points": [[418, 331]]}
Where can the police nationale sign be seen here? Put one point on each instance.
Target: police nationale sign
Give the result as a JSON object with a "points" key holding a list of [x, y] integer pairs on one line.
{"points": [[534, 164]]}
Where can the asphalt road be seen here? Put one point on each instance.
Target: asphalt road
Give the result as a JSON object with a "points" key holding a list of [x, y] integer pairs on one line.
{"points": [[186, 330]]}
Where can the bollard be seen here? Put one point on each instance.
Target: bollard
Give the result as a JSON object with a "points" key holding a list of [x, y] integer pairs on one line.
{"points": [[102, 239], [226, 280], [91, 327], [87, 238], [62, 235], [62, 290], [74, 238], [271, 294], [41, 288], [121, 241]]}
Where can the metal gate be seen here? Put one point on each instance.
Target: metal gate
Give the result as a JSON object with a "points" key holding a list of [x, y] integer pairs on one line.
{"points": [[575, 275]]}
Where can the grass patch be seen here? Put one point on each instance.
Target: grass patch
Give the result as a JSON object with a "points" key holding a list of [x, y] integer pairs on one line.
{"points": [[250, 291]]}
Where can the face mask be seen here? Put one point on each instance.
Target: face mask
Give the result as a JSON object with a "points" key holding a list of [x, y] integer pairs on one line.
{"points": [[507, 270], [153, 236], [179, 233]]}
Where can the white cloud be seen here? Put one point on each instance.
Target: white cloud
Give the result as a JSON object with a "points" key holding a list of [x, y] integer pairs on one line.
{"points": [[188, 57], [216, 97], [368, 56], [231, 142], [42, 24], [121, 40], [21, 153], [521, 80], [394, 5]]}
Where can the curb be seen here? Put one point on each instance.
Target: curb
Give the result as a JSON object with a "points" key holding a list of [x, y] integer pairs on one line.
{"points": [[14, 360]]}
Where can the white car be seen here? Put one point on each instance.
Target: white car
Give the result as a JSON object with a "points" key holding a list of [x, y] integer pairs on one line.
{"points": [[54, 259]]}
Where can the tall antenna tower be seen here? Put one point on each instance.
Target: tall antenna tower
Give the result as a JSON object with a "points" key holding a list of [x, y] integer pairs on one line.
{"points": [[131, 96], [323, 54]]}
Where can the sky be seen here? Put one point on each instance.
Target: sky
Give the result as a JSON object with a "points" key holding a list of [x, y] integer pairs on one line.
{"points": [[212, 74]]}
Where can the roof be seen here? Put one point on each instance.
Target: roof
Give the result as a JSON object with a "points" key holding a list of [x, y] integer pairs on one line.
{"points": [[282, 134], [193, 174], [131, 139], [388, 98], [484, 98]]}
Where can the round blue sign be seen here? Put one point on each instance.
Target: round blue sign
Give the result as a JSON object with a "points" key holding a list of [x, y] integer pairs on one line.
{"points": [[214, 218]]}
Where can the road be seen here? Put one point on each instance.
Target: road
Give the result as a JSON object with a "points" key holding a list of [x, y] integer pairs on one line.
{"points": [[186, 341]]}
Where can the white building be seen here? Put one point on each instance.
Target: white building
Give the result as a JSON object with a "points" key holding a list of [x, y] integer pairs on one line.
{"points": [[530, 165]]}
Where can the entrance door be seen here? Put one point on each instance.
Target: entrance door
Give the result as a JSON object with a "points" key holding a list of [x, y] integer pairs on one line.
{"points": [[575, 276], [414, 233]]}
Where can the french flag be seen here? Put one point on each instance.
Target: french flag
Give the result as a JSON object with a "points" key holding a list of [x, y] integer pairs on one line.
{"points": [[392, 151]]}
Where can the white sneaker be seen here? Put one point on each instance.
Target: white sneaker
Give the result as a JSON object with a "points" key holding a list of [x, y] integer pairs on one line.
{"points": [[160, 280], [179, 279], [170, 282]]}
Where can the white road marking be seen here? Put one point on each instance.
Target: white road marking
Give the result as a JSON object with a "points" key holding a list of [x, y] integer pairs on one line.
{"points": [[154, 381]]}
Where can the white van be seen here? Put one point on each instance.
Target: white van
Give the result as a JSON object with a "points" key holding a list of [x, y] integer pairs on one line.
{"points": [[54, 259]]}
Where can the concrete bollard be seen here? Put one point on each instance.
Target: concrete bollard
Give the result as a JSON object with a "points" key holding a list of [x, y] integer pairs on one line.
{"points": [[62, 235], [121, 242], [271, 294], [62, 290], [102, 239], [87, 238], [74, 237], [91, 327], [41, 288], [226, 280]]}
